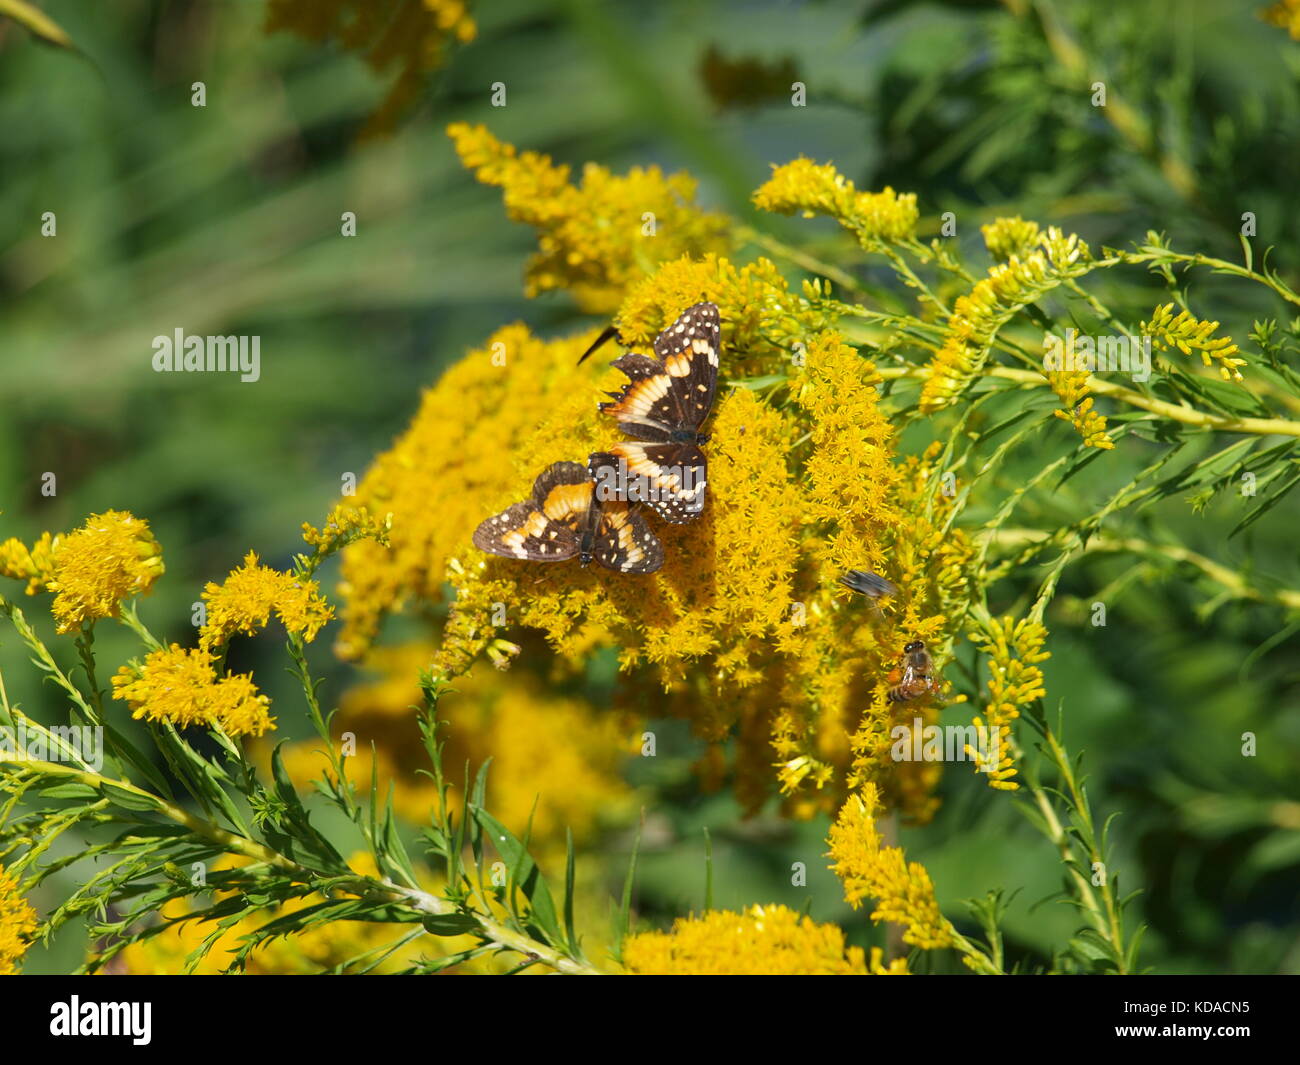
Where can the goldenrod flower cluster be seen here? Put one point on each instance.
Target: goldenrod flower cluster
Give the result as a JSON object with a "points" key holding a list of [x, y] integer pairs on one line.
{"points": [[599, 236], [18, 923], [345, 524], [1187, 333], [1005, 237], [411, 36], [884, 217], [869, 870], [91, 571], [243, 603], [112, 557], [35, 565], [1072, 387], [977, 316], [768, 940], [745, 627], [182, 687], [1014, 649]]}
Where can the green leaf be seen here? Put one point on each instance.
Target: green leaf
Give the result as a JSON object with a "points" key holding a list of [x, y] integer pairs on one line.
{"points": [[624, 923], [528, 877], [69, 790], [128, 799], [37, 22], [569, 891], [1258, 511]]}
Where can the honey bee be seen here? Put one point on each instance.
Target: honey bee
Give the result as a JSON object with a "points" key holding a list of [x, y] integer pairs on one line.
{"points": [[913, 677]]}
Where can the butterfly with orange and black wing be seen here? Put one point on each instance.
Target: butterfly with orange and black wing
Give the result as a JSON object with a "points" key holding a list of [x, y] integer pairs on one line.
{"points": [[565, 519], [663, 406]]}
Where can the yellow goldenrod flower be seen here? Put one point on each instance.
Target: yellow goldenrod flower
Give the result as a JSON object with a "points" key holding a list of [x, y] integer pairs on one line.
{"points": [[1014, 649], [182, 687], [244, 602], [1072, 387], [1284, 14], [110, 558], [768, 940], [755, 303], [1005, 237], [760, 628], [850, 477], [874, 217], [516, 396], [1187, 333], [598, 237], [412, 36], [18, 923], [977, 316], [902, 890], [345, 525], [35, 566]]}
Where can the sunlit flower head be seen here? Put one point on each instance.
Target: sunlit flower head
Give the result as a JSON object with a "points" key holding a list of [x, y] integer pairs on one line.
{"points": [[902, 890], [812, 189], [112, 557], [745, 627], [182, 687], [35, 565], [770, 940], [245, 601], [18, 923], [598, 236], [1188, 334], [978, 315], [1072, 387], [1014, 649], [346, 524], [1005, 237]]}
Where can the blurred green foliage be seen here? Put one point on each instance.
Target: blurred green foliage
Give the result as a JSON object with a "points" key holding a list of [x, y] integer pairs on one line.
{"points": [[225, 219]]}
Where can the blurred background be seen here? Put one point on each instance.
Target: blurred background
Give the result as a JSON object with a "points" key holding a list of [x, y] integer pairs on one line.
{"points": [[224, 219]]}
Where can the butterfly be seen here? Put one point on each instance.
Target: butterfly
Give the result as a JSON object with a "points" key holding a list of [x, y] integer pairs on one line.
{"points": [[666, 400], [565, 518]]}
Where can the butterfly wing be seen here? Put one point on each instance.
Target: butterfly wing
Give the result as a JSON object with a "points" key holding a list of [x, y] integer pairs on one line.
{"points": [[668, 478], [624, 541], [688, 350], [647, 407], [548, 527], [674, 390], [523, 531]]}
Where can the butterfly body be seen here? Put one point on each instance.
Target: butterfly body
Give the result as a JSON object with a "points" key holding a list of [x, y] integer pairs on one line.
{"points": [[565, 518]]}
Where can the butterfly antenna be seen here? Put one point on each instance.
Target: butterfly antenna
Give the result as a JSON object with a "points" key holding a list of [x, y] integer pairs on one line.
{"points": [[607, 334]]}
